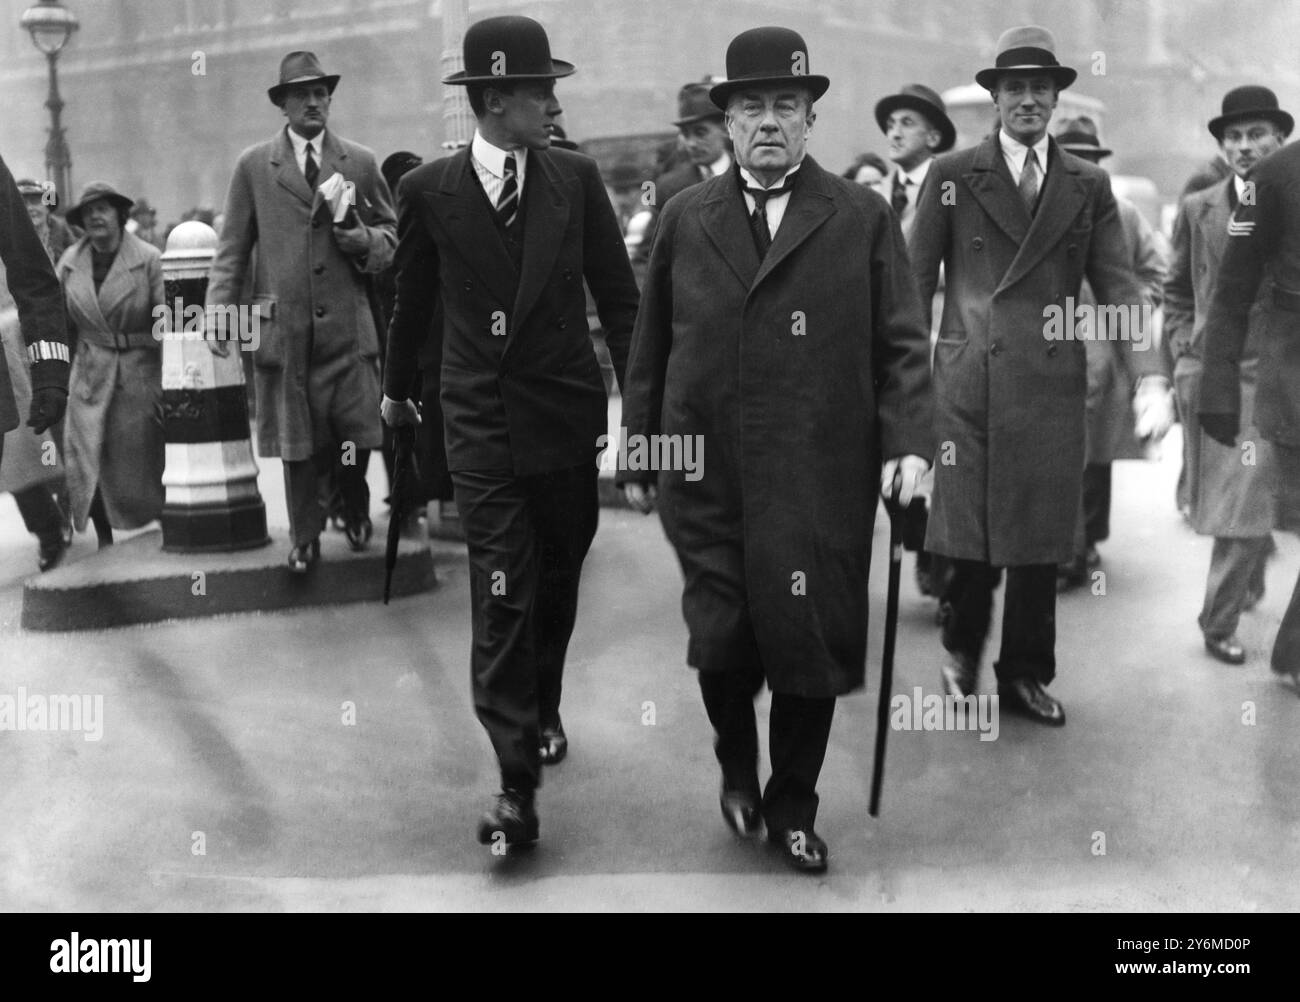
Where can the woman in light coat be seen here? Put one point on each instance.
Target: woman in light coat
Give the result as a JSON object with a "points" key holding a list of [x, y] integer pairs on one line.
{"points": [[113, 441]]}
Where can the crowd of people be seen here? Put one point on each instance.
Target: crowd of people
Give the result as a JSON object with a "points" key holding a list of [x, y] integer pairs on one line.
{"points": [[833, 337]]}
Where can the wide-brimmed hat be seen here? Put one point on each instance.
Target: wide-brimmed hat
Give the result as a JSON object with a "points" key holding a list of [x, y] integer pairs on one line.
{"points": [[1244, 103], [300, 68], [695, 105], [767, 57], [93, 192], [509, 47], [921, 98], [1079, 136], [1026, 49]]}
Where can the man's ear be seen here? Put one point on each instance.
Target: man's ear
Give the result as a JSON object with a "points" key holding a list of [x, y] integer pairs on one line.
{"points": [[809, 121]]}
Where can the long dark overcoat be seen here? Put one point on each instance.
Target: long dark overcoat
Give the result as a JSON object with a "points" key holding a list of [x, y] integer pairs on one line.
{"points": [[796, 374]]}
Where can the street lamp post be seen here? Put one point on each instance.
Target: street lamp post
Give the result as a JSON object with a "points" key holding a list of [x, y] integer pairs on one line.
{"points": [[51, 25]]}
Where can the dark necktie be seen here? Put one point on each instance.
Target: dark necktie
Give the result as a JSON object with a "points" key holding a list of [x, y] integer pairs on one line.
{"points": [[758, 218], [310, 169], [898, 197], [1029, 181], [508, 203]]}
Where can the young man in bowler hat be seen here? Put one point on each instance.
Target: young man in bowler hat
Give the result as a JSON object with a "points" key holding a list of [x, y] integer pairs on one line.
{"points": [[500, 237], [1016, 226], [808, 272]]}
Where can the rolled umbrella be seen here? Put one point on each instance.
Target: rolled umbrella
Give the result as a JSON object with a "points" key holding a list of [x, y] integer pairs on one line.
{"points": [[405, 476], [887, 657]]}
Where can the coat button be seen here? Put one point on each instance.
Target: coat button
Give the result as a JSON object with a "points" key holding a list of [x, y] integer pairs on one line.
{"points": [[568, 274], [315, 224], [468, 285], [320, 311], [1051, 349], [318, 270], [562, 323], [1072, 249], [995, 348], [977, 243]]}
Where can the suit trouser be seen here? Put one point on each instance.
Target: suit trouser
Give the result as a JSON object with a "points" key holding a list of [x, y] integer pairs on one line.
{"points": [[1028, 617], [1236, 571], [798, 730], [308, 484], [527, 537], [1286, 648], [1096, 502]]}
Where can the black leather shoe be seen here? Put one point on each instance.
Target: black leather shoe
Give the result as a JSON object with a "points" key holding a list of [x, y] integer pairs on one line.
{"points": [[514, 816], [803, 850], [1072, 575], [957, 674], [359, 533], [301, 558], [555, 745], [1029, 699], [51, 553], [740, 811], [1226, 649]]}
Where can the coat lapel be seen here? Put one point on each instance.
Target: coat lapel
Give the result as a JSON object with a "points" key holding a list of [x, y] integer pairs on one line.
{"points": [[82, 300], [546, 215], [1064, 194], [810, 206], [991, 184], [121, 282], [333, 161], [726, 224], [285, 167], [1216, 211], [462, 208]]}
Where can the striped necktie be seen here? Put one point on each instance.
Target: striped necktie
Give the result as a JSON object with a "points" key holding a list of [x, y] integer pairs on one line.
{"points": [[508, 203], [898, 198], [310, 169], [1029, 181]]}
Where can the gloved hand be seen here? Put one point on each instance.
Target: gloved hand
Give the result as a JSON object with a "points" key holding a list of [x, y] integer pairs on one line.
{"points": [[48, 405], [1222, 428], [912, 469], [1153, 409]]}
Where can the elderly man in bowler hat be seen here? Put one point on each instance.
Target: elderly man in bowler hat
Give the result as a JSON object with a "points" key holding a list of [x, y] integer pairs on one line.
{"points": [[807, 271], [1229, 498], [316, 366], [498, 239], [1016, 226]]}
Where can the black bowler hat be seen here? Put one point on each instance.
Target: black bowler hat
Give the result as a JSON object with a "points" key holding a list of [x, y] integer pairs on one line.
{"points": [[1244, 103], [1079, 136], [694, 105], [1028, 49], [764, 57], [507, 48], [93, 192], [920, 98], [300, 68]]}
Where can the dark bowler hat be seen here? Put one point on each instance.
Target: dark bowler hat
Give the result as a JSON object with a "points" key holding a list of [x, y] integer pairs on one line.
{"points": [[694, 105], [767, 57], [93, 192], [1027, 49], [1244, 103], [300, 68], [1079, 136], [919, 97], [507, 48]]}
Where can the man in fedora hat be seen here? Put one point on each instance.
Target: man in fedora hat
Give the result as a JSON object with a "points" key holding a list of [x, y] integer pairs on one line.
{"points": [[498, 239], [1016, 225], [778, 326], [703, 139], [1229, 499], [316, 363], [918, 128], [1110, 380]]}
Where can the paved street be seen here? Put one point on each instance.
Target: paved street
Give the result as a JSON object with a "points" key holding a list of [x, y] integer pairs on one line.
{"points": [[235, 728]]}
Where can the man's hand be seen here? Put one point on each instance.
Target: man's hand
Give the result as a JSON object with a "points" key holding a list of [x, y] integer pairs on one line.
{"points": [[1222, 428], [48, 405], [399, 412], [908, 471], [1153, 409], [352, 242], [642, 497]]}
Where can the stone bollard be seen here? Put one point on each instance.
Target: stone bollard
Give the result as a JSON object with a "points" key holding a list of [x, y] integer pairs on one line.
{"points": [[212, 501]]}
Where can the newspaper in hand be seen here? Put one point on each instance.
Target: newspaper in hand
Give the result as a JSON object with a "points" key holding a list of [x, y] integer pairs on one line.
{"points": [[340, 195]]}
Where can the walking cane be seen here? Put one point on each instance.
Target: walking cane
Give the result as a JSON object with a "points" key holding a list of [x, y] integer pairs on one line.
{"points": [[891, 634]]}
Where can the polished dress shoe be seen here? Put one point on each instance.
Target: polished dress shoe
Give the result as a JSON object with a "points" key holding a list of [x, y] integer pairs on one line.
{"points": [[740, 811], [1226, 649], [302, 557], [1029, 699], [359, 533], [957, 674], [803, 849], [554, 744], [514, 816], [51, 553]]}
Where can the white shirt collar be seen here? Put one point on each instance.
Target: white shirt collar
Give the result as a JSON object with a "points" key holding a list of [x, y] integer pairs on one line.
{"points": [[1239, 185], [753, 182], [300, 144], [720, 166], [917, 174], [1015, 152], [493, 158]]}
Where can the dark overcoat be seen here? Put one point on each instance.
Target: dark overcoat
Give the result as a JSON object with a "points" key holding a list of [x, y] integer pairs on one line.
{"points": [[1009, 401], [797, 373]]}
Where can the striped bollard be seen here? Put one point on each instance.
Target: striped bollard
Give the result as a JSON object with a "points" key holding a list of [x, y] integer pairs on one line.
{"points": [[212, 501]]}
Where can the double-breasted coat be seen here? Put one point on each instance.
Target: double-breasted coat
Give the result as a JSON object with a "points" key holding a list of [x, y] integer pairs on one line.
{"points": [[1229, 498], [796, 374], [113, 435], [1009, 400], [316, 366]]}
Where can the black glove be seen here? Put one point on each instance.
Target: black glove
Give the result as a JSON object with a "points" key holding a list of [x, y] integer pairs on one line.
{"points": [[48, 405], [1221, 427]]}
